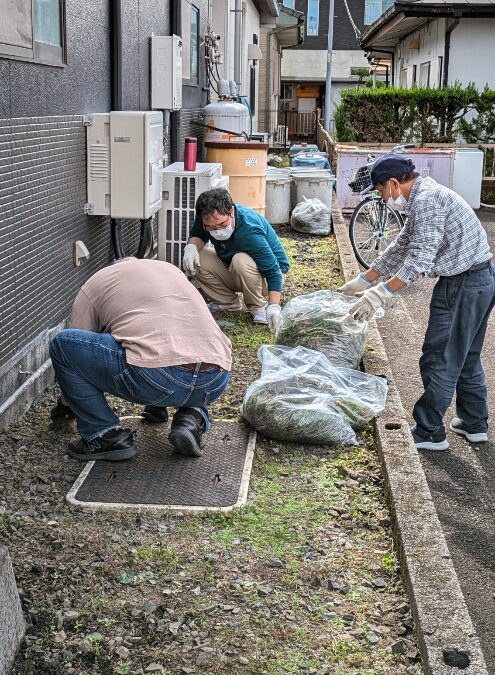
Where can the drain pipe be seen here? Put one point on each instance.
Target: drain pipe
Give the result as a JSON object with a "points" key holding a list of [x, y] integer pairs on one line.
{"points": [[116, 97], [116, 54], [392, 68], [446, 56], [176, 29], [237, 43]]}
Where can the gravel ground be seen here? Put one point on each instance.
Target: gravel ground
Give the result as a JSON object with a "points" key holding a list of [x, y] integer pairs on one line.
{"points": [[302, 580]]}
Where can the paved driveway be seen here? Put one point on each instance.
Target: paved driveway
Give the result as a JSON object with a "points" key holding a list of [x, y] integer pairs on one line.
{"points": [[462, 480]]}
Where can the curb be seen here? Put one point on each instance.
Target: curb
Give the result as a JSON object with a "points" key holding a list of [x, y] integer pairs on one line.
{"points": [[12, 624], [447, 639]]}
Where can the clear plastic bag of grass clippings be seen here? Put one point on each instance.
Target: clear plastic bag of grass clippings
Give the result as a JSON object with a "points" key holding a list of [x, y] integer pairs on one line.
{"points": [[321, 321], [311, 216], [301, 397]]}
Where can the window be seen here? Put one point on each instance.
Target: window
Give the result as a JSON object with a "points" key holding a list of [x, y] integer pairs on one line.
{"points": [[313, 18], [289, 3], [33, 30], [287, 92], [373, 9], [190, 39], [414, 75]]}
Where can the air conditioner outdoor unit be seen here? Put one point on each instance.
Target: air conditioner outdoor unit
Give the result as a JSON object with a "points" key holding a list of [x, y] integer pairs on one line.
{"points": [[180, 192], [282, 134]]}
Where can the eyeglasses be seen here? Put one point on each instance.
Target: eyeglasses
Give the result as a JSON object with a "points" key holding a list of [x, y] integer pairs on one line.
{"points": [[218, 226]]}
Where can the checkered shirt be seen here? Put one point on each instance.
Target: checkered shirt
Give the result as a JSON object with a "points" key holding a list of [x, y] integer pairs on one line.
{"points": [[442, 236]]}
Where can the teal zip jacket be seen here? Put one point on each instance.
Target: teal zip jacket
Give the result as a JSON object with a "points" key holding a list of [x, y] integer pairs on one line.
{"points": [[253, 235]]}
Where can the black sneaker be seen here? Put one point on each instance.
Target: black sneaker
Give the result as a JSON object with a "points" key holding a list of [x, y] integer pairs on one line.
{"points": [[114, 446], [436, 441], [188, 427], [458, 427], [61, 411], [153, 414]]}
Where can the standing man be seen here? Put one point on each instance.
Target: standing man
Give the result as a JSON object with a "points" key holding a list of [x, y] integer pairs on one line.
{"points": [[246, 257], [142, 332], [442, 237]]}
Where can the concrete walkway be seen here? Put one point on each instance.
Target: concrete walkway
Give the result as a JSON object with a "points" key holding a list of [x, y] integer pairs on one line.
{"points": [[462, 479]]}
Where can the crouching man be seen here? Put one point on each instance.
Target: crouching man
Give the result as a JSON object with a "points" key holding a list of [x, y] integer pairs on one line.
{"points": [[247, 257], [140, 331]]}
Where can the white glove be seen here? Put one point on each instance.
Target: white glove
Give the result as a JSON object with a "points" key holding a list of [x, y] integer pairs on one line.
{"points": [[359, 283], [273, 317], [190, 259], [370, 301]]}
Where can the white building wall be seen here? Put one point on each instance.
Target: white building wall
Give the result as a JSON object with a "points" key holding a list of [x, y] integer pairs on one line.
{"points": [[223, 24], [472, 52], [431, 49], [310, 65]]}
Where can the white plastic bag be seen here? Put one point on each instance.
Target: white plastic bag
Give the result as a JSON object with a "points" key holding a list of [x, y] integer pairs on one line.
{"points": [[311, 216], [301, 397], [321, 321]]}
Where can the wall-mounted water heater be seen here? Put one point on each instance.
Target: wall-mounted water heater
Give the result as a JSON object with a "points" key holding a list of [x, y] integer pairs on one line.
{"points": [[166, 72], [125, 163]]}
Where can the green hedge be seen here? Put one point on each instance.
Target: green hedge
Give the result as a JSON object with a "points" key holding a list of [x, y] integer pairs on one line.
{"points": [[420, 115]]}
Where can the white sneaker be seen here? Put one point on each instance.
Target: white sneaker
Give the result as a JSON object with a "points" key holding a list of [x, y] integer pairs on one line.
{"points": [[457, 426], [219, 307], [260, 317]]}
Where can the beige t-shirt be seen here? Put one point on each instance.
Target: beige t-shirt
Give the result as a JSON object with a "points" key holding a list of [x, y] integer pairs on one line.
{"points": [[157, 315]]}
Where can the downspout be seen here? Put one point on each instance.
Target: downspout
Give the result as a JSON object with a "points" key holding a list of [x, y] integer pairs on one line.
{"points": [[116, 99], [269, 35], [116, 54], [392, 54], [446, 57], [176, 29], [237, 43]]}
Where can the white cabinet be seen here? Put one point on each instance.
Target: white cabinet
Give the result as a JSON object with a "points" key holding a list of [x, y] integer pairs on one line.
{"points": [[125, 162]]}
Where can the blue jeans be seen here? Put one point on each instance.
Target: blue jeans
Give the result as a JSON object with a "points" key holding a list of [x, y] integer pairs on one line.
{"points": [[459, 311], [88, 365]]}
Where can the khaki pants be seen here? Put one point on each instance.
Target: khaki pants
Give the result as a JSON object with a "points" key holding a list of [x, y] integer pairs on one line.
{"points": [[221, 283]]}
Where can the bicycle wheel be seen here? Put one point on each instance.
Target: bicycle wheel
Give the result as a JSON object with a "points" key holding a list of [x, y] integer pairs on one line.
{"points": [[373, 226]]}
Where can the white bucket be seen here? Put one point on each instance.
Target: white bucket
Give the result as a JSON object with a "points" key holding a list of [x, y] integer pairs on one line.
{"points": [[278, 196], [318, 184]]}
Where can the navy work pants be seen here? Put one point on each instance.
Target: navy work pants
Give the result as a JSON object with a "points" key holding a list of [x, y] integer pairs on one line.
{"points": [[451, 363]]}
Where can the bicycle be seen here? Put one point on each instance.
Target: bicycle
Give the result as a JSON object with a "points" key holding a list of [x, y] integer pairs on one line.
{"points": [[373, 223]]}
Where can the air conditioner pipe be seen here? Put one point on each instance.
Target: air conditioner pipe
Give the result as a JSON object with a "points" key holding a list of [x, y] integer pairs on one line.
{"points": [[146, 242]]}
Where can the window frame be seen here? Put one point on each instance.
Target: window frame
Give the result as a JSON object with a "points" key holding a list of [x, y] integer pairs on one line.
{"points": [[287, 84], [40, 52], [317, 28], [187, 43]]}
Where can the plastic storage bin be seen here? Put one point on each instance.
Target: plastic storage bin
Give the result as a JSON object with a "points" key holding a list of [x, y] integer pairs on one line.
{"points": [[311, 160], [302, 147], [317, 184], [278, 196]]}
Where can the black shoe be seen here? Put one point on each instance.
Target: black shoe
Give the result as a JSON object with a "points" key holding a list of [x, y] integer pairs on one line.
{"points": [[436, 441], [114, 446], [188, 427], [458, 426], [61, 411], [153, 414]]}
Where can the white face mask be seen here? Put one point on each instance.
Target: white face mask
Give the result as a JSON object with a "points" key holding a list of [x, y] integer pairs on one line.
{"points": [[223, 234], [399, 204]]}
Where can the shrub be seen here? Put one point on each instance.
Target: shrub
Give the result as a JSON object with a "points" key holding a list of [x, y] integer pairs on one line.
{"points": [[420, 115]]}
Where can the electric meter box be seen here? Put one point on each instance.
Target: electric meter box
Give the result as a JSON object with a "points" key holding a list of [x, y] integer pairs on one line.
{"points": [[125, 163], [166, 72]]}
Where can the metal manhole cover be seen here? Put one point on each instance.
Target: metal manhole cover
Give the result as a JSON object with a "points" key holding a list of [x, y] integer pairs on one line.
{"points": [[157, 479]]}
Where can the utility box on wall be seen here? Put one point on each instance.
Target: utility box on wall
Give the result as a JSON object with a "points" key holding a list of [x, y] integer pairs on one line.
{"points": [[125, 162], [166, 72]]}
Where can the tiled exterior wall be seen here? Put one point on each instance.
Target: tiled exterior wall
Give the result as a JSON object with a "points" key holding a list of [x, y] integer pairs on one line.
{"points": [[42, 195]]}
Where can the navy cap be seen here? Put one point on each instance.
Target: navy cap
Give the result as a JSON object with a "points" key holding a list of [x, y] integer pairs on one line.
{"points": [[390, 166]]}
